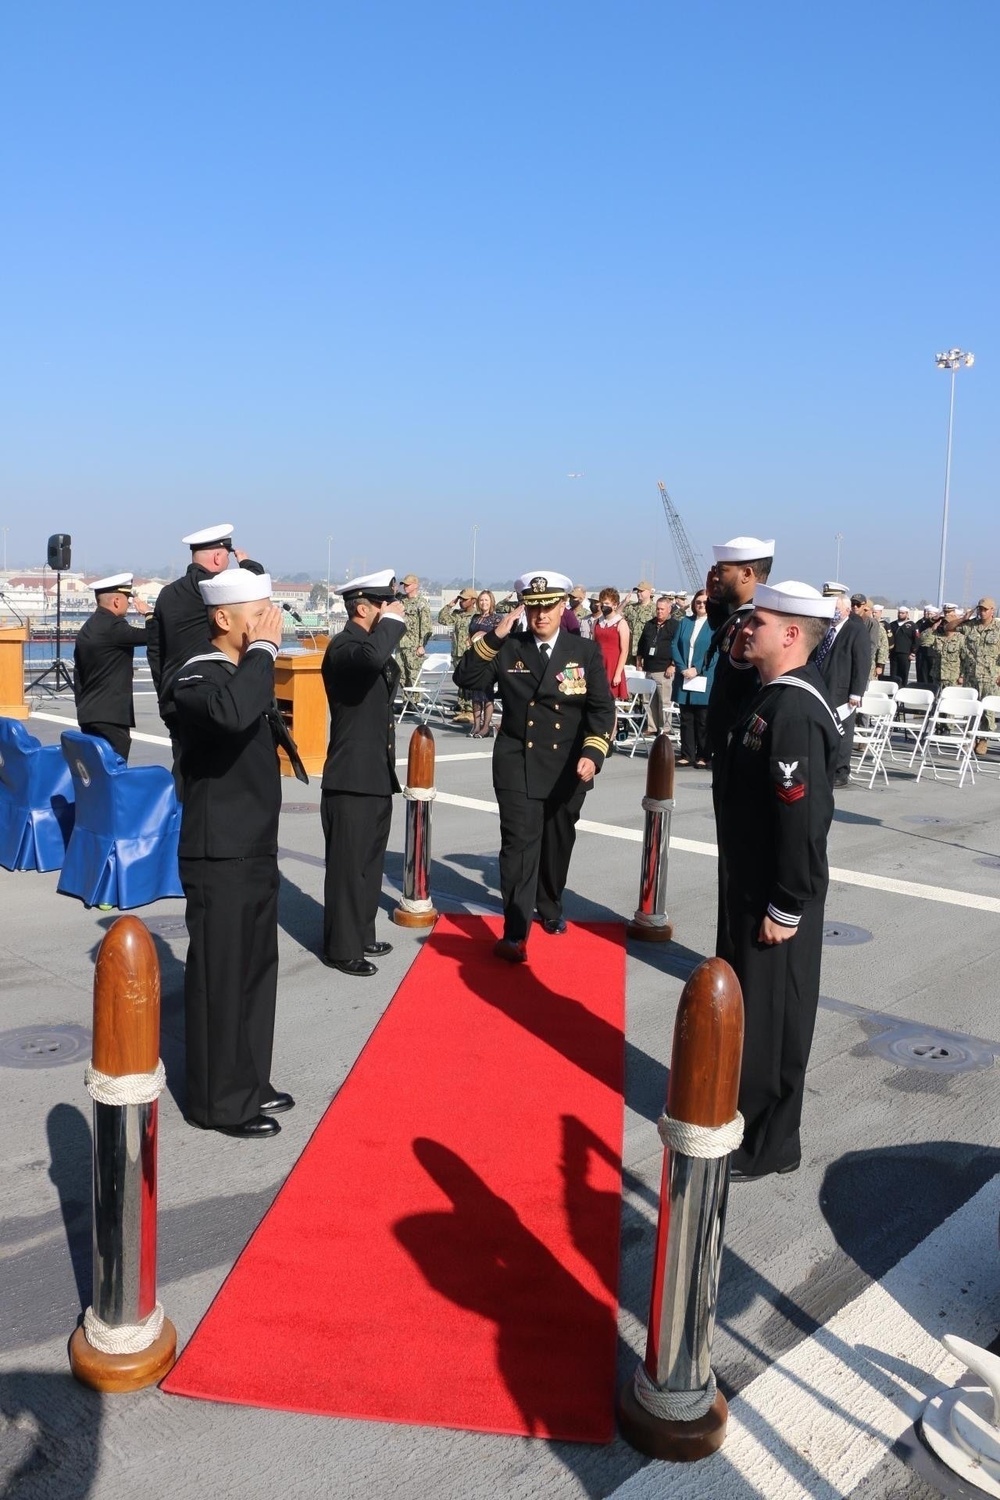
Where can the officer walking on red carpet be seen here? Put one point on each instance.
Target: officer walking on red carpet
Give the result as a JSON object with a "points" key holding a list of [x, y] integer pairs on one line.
{"points": [[557, 723]]}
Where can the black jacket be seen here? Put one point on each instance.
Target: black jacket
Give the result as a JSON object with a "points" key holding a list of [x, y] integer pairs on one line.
{"points": [[360, 676], [551, 718], [102, 669], [229, 764], [846, 668], [734, 683], [178, 630], [653, 651]]}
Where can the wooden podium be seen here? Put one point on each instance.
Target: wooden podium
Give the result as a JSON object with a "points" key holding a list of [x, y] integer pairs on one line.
{"points": [[301, 700], [12, 704]]}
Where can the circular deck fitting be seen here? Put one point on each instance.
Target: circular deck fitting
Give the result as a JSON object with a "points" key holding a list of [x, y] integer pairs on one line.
{"points": [[44, 1046], [931, 1051], [167, 927], [842, 934], [300, 807]]}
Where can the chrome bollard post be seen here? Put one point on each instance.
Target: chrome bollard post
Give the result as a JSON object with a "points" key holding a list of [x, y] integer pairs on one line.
{"points": [[650, 923], [671, 1408], [416, 909], [125, 1342]]}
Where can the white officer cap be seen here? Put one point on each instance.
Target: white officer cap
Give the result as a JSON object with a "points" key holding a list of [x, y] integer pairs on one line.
{"points": [[212, 536], [542, 587], [235, 586], [374, 586], [793, 598], [831, 590], [115, 583], [743, 549]]}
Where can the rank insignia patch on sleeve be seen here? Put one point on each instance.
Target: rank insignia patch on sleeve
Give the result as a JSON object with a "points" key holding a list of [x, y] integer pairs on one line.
{"points": [[792, 786]]}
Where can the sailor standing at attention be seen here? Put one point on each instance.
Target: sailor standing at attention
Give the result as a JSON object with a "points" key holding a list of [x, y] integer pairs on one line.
{"points": [[775, 807], [228, 730], [102, 663], [558, 719]]}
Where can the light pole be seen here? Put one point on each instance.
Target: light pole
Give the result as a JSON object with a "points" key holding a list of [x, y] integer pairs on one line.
{"points": [[5, 531], [475, 534], [838, 539], [329, 544], [952, 361]]}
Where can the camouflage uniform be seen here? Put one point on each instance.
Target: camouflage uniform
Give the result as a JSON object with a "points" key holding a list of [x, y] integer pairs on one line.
{"points": [[981, 660], [880, 655], [636, 617], [416, 635], [459, 620], [946, 654]]}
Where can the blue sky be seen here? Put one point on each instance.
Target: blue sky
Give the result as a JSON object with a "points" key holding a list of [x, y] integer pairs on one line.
{"points": [[387, 272]]}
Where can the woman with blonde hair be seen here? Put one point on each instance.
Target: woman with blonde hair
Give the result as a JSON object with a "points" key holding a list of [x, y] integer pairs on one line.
{"points": [[485, 618]]}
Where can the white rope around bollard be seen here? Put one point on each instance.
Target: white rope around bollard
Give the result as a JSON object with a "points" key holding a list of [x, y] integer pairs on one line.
{"points": [[673, 1406], [650, 919], [705, 1142], [658, 804], [126, 1338], [418, 907], [419, 793], [128, 1088]]}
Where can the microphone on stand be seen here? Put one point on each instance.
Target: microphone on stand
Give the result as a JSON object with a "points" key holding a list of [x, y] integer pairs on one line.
{"points": [[19, 618], [298, 620]]}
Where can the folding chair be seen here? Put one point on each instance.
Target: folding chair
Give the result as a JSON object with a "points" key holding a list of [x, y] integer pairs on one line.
{"points": [[633, 712], [989, 705], [887, 685], [952, 735], [423, 698], [920, 701], [871, 735]]}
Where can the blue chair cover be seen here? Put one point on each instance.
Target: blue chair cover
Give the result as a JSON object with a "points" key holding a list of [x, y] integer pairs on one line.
{"points": [[36, 801], [123, 850]]}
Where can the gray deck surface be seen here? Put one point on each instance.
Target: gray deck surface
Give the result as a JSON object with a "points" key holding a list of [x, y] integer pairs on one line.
{"points": [[892, 1147]]}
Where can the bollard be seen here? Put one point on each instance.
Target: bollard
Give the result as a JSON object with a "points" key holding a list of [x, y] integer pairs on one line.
{"points": [[125, 1342], [651, 923], [962, 1426], [415, 908], [671, 1408]]}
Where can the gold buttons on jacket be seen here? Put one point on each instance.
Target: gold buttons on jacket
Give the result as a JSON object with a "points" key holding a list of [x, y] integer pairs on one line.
{"points": [[529, 744], [558, 726], [531, 723]]}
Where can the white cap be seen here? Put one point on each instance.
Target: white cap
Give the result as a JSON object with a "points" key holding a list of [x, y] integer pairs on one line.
{"points": [[832, 589], [211, 534], [541, 586], [793, 598], [373, 586], [235, 586], [114, 583], [743, 549]]}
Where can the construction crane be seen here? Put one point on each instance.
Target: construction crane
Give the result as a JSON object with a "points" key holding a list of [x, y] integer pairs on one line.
{"points": [[691, 564]]}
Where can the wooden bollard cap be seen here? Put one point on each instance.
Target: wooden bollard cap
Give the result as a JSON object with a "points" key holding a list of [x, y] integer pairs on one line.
{"points": [[708, 1047], [127, 1001], [660, 770], [420, 760]]}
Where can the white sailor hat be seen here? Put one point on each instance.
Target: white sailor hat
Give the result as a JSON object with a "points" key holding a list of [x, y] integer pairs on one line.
{"points": [[743, 549], [831, 590], [115, 583], [793, 598], [212, 536], [235, 586], [374, 586], [542, 587]]}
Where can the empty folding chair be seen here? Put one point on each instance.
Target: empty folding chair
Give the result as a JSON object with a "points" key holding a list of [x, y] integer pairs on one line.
{"points": [[36, 801], [871, 735], [987, 736], [919, 702], [887, 685], [948, 743], [633, 712]]}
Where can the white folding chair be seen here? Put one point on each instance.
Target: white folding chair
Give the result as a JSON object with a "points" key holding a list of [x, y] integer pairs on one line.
{"points": [[871, 735], [951, 735], [989, 705], [919, 701], [424, 698], [633, 711], [887, 685]]}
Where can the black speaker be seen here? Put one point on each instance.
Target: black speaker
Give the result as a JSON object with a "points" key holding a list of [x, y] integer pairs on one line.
{"points": [[59, 553]]}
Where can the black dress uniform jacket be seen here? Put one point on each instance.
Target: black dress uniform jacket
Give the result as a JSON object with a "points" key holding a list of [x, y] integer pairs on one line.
{"points": [[102, 669], [735, 682], [178, 630], [775, 810], [360, 675]]}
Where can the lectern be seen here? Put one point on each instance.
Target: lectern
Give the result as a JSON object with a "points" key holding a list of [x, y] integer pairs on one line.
{"points": [[12, 704]]}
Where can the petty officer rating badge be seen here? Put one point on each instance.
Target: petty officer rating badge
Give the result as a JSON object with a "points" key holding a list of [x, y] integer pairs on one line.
{"points": [[790, 790]]}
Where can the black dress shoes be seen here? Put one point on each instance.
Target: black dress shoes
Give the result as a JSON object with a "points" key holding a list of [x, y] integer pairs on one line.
{"points": [[555, 926], [276, 1103], [737, 1174], [378, 950], [510, 950], [842, 778], [257, 1129], [360, 968]]}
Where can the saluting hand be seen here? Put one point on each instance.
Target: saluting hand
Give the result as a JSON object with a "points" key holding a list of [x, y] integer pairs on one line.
{"points": [[507, 624], [266, 627], [395, 608]]}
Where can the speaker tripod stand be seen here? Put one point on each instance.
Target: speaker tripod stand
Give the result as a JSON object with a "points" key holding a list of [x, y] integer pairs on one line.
{"points": [[58, 675]]}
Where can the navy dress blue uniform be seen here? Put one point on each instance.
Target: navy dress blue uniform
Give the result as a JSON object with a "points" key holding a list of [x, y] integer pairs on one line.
{"points": [[360, 675], [554, 714], [775, 809], [102, 677], [229, 869], [735, 684]]}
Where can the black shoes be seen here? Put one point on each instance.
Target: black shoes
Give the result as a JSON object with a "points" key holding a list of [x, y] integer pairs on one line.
{"points": [[257, 1129], [377, 950], [554, 926], [842, 778], [359, 968], [737, 1174], [276, 1103], [511, 950]]}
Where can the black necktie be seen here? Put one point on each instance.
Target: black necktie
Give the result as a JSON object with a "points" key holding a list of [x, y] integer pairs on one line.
{"points": [[545, 655]]}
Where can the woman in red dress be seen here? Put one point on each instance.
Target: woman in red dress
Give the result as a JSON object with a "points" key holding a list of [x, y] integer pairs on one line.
{"points": [[612, 634]]}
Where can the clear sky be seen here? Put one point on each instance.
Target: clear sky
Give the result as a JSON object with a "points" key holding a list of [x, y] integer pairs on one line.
{"points": [[385, 272]]}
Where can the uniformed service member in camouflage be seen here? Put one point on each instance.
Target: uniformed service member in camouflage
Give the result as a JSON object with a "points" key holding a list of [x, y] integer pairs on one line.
{"points": [[638, 615], [459, 619], [579, 603], [880, 639], [981, 669], [412, 649], [945, 645]]}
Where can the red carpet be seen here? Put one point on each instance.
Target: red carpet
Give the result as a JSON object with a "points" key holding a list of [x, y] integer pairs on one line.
{"points": [[445, 1251]]}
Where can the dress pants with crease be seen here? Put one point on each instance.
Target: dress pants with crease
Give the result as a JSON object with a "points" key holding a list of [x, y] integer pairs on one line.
{"points": [[356, 829], [536, 841], [230, 985], [118, 737]]}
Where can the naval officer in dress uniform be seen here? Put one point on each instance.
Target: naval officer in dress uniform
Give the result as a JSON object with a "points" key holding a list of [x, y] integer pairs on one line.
{"points": [[557, 723], [360, 675], [228, 729], [177, 628], [102, 663], [775, 810]]}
